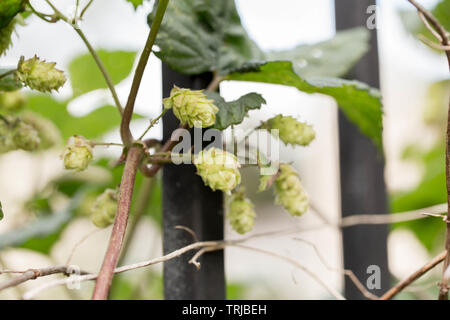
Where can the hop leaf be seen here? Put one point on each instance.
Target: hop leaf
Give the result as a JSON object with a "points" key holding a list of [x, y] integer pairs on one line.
{"points": [[104, 209], [218, 169], [289, 191], [40, 75], [241, 213], [26, 137], [9, 9], [77, 154], [290, 130], [5, 36], [191, 107], [11, 102]]}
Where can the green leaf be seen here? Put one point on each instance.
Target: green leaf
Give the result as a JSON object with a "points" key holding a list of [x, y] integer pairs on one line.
{"points": [[360, 103], [91, 126], [9, 9], [41, 234], [1, 212], [234, 112], [332, 58], [198, 36], [136, 3], [9, 82], [86, 76]]}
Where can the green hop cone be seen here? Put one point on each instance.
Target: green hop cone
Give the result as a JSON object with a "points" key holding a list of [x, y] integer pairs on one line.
{"points": [[241, 214], [290, 130], [48, 132], [289, 191], [191, 107], [40, 75], [26, 137], [104, 209], [218, 169], [11, 102], [77, 154]]}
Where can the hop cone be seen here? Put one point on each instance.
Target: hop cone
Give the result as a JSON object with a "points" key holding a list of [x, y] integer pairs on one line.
{"points": [[40, 75], [77, 154], [291, 131], [26, 137], [241, 214], [218, 169], [104, 209], [191, 107], [289, 191]]}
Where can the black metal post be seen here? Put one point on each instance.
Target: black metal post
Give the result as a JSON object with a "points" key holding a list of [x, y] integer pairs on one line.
{"points": [[187, 202], [363, 189]]}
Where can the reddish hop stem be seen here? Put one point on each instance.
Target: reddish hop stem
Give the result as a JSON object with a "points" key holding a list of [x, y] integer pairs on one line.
{"points": [[104, 279], [442, 34]]}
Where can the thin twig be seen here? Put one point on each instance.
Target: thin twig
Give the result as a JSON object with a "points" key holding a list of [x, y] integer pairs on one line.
{"points": [[85, 9], [416, 275], [217, 245], [346, 272], [32, 274]]}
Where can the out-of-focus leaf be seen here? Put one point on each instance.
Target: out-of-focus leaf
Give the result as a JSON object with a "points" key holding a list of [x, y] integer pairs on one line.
{"points": [[234, 112], [136, 3], [1, 212], [198, 36], [360, 103], [430, 191], [41, 234], [415, 26], [9, 82], [436, 111], [85, 75], [332, 58], [91, 126]]}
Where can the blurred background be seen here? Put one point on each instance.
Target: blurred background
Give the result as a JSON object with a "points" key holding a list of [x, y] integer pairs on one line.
{"points": [[415, 88]]}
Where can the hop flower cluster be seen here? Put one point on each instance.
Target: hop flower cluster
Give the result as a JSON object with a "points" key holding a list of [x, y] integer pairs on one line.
{"points": [[241, 213], [289, 191], [17, 134], [191, 107], [77, 154], [104, 209], [218, 169], [290, 130], [40, 75]]}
